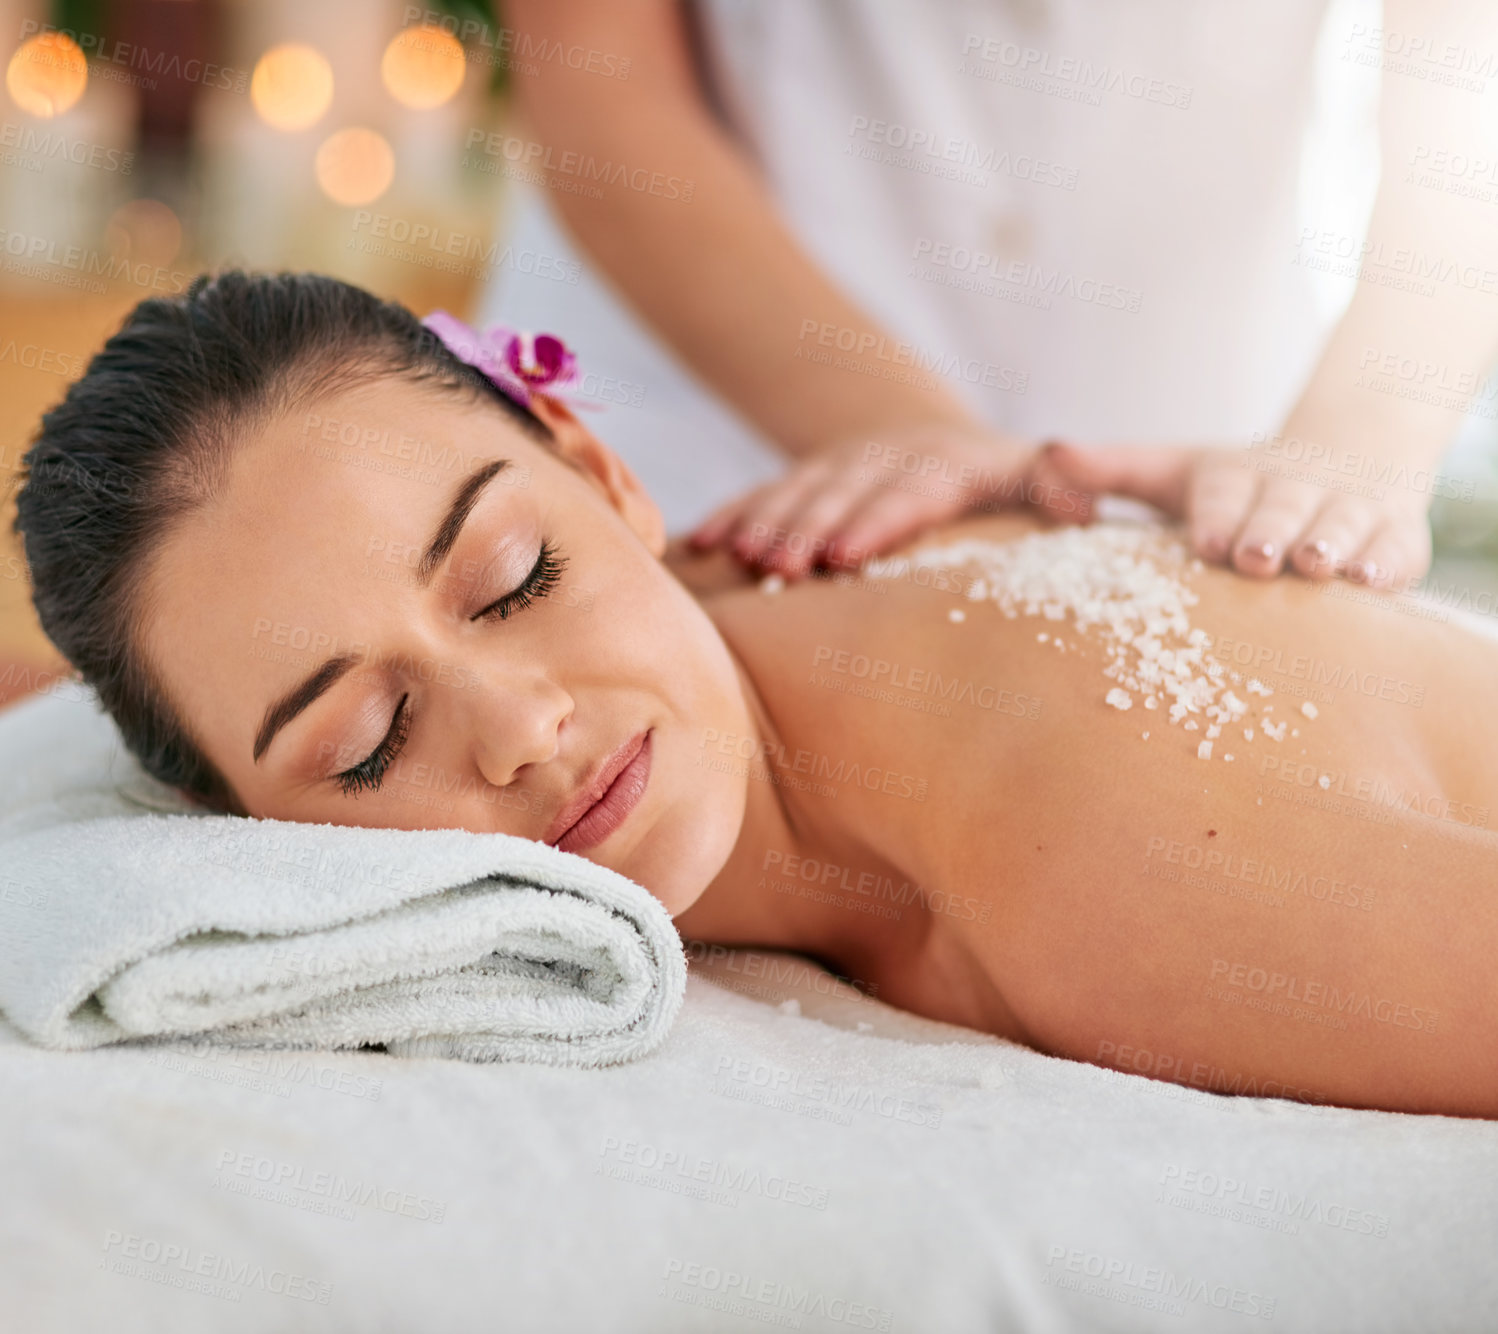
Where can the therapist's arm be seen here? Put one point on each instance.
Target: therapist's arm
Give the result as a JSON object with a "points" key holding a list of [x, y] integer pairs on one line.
{"points": [[720, 276], [1346, 485]]}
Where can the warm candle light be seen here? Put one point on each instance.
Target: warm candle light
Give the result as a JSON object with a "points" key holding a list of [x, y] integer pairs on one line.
{"points": [[47, 74], [423, 67], [292, 86], [355, 166]]}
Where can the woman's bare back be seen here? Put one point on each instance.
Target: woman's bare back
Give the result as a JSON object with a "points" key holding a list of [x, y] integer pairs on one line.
{"points": [[1311, 918]]}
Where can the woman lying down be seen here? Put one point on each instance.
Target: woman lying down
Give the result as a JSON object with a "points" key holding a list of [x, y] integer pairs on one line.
{"points": [[1064, 785]]}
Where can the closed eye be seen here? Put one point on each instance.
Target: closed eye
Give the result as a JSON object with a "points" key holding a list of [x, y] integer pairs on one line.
{"points": [[369, 773], [545, 574]]}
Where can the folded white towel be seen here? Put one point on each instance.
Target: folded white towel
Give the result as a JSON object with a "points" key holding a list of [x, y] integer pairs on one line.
{"points": [[118, 923]]}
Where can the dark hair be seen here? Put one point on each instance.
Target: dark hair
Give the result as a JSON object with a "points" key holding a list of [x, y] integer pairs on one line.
{"points": [[146, 436]]}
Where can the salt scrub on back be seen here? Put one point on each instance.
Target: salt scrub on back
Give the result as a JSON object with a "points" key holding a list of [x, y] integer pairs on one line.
{"points": [[1119, 584]]}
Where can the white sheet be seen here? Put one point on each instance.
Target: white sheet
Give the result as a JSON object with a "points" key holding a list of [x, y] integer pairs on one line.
{"points": [[940, 1181]]}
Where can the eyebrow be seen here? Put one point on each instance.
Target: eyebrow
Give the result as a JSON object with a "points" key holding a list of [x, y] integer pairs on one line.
{"points": [[302, 695]]}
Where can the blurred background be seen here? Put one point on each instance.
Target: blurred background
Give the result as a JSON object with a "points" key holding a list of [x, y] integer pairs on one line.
{"points": [[142, 141]]}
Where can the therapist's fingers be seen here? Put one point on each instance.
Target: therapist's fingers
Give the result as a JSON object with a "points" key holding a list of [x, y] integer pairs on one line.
{"points": [[1274, 525], [823, 513], [1159, 475], [1396, 553], [723, 522], [762, 527], [1335, 536], [1219, 497], [884, 519]]}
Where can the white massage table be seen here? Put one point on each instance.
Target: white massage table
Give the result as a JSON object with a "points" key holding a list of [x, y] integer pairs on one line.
{"points": [[821, 1163]]}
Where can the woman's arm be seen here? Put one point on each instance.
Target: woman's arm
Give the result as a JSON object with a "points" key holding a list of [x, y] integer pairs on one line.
{"points": [[1346, 484], [1440, 315], [718, 274]]}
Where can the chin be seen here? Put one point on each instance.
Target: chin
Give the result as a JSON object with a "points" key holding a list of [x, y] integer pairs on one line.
{"points": [[680, 855]]}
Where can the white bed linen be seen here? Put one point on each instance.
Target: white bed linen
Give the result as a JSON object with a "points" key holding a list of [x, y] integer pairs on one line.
{"points": [[943, 1181]]}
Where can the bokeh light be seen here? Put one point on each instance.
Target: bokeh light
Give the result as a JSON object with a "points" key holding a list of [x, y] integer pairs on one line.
{"points": [[292, 86], [423, 66], [355, 166], [144, 231], [47, 74]]}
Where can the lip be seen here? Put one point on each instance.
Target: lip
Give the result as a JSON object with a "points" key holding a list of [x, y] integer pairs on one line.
{"points": [[605, 801]]}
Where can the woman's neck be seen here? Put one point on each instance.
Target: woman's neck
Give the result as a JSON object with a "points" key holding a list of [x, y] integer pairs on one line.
{"points": [[781, 825]]}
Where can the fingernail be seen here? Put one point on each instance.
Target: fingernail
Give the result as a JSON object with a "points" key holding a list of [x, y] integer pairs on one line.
{"points": [[1356, 571], [1318, 552], [1267, 550]]}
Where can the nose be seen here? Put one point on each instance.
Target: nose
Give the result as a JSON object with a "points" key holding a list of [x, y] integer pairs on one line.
{"points": [[516, 725]]}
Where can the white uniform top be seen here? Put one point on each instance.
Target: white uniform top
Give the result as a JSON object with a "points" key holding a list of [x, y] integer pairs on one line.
{"points": [[1091, 219]]}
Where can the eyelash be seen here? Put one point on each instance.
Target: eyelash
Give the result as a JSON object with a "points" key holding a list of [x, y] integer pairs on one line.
{"points": [[545, 574], [369, 773]]}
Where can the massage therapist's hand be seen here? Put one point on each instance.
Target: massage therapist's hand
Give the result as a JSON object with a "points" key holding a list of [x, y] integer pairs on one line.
{"points": [[1260, 515], [848, 503]]}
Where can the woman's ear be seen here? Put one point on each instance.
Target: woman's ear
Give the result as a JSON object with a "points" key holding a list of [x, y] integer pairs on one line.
{"points": [[604, 469]]}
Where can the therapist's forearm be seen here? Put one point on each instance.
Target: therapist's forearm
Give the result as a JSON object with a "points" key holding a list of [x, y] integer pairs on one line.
{"points": [[1434, 329], [718, 275], [1398, 360]]}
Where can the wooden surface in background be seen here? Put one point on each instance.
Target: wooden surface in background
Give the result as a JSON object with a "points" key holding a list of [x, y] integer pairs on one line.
{"points": [[46, 338]]}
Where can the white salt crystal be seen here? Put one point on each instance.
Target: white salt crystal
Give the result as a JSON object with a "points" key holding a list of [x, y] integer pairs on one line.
{"points": [[957, 614], [1228, 758], [1204, 750], [1248, 733], [1121, 584], [1324, 782], [1146, 736], [1309, 709], [771, 583]]}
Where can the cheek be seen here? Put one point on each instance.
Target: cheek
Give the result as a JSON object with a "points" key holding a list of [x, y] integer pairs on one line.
{"points": [[631, 613]]}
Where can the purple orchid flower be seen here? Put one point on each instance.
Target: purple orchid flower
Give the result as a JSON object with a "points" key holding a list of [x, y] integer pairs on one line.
{"points": [[518, 364]]}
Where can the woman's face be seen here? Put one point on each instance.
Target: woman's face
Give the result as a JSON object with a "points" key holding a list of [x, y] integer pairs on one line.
{"points": [[403, 611]]}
